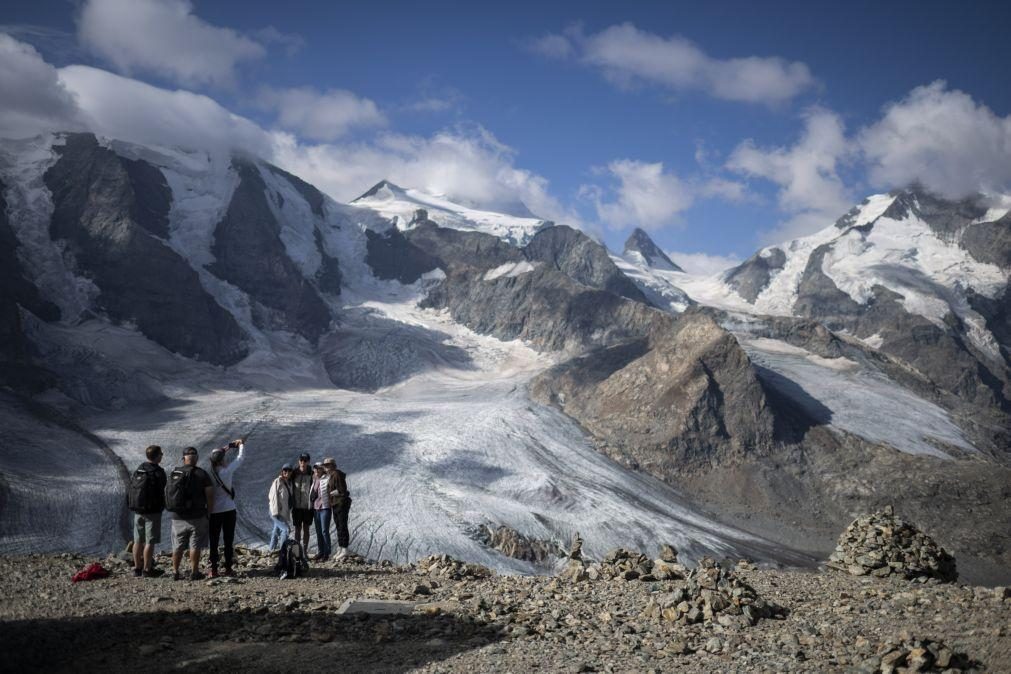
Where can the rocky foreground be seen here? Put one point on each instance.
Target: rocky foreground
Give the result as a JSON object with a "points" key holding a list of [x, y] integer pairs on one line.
{"points": [[712, 618]]}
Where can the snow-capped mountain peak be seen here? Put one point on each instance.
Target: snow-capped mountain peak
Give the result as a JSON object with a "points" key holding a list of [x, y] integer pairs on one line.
{"points": [[402, 205]]}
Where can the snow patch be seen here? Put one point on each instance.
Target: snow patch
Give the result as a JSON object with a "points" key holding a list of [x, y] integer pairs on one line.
{"points": [[510, 270]]}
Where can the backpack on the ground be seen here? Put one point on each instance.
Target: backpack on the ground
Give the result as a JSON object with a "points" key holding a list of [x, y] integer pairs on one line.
{"points": [[179, 490], [144, 494], [292, 561]]}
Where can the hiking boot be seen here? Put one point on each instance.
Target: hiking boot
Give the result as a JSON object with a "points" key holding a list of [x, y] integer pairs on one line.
{"points": [[177, 576], [196, 575], [137, 573], [341, 554], [214, 573], [228, 572], [153, 573]]}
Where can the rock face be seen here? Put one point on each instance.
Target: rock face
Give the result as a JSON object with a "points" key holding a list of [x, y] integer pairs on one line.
{"points": [[249, 253], [111, 213], [16, 367], [881, 544], [752, 276], [582, 259], [513, 544], [640, 243], [687, 395]]}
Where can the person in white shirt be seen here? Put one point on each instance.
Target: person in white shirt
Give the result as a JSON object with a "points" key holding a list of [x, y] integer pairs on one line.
{"points": [[223, 515]]}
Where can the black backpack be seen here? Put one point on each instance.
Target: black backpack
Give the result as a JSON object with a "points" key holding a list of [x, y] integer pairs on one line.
{"points": [[291, 561], [144, 493], [179, 490]]}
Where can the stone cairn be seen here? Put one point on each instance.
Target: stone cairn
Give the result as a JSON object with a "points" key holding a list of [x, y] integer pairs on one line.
{"points": [[622, 564], [881, 544], [909, 654], [444, 566], [710, 594]]}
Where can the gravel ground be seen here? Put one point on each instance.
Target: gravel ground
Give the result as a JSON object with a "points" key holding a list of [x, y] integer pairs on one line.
{"points": [[256, 622]]}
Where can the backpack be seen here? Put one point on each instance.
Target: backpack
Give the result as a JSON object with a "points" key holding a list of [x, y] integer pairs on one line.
{"points": [[179, 490], [291, 561], [144, 494]]}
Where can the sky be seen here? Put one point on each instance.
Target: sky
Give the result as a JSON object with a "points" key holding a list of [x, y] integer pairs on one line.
{"points": [[718, 127]]}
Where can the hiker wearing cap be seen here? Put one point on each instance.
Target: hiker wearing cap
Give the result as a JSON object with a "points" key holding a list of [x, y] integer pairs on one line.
{"points": [[340, 504], [223, 515], [320, 495], [280, 499], [146, 498], [301, 505], [189, 495]]}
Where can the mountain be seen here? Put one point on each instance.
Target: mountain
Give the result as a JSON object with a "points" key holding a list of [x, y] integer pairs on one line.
{"points": [[640, 247], [470, 368]]}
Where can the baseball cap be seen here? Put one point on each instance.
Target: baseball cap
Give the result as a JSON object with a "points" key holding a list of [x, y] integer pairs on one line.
{"points": [[286, 466], [190, 451], [303, 456]]}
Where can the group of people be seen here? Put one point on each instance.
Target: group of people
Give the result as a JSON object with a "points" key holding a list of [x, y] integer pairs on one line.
{"points": [[202, 504], [302, 497]]}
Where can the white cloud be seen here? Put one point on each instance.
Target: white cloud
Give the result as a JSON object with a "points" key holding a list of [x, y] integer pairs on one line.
{"points": [[320, 115], [34, 99], [941, 138], [627, 55], [165, 38], [811, 191], [126, 109], [644, 195], [466, 164], [703, 264]]}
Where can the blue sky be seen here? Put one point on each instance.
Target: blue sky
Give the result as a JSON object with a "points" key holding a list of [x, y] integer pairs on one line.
{"points": [[583, 102]]}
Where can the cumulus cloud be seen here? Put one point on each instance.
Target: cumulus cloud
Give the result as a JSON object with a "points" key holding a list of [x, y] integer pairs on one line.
{"points": [[703, 264], [126, 109], [643, 195], [165, 38], [320, 115], [811, 192], [466, 164], [34, 98], [941, 138], [627, 56]]}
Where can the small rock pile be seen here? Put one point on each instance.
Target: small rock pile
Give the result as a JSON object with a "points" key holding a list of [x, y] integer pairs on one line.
{"points": [[881, 544], [444, 566], [712, 594], [627, 565], [908, 654]]}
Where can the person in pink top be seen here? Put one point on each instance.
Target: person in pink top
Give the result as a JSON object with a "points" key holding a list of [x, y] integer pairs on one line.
{"points": [[320, 495]]}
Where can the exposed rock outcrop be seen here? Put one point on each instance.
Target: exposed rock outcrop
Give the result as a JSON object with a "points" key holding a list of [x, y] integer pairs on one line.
{"points": [[582, 259], [513, 544], [689, 394], [111, 213], [249, 252], [751, 277]]}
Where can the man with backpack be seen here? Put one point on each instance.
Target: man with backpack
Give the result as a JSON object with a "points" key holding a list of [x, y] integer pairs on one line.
{"points": [[223, 515], [189, 493], [146, 498], [301, 506]]}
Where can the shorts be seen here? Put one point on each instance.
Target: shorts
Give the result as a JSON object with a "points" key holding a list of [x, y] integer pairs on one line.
{"points": [[302, 516], [190, 534], [146, 528]]}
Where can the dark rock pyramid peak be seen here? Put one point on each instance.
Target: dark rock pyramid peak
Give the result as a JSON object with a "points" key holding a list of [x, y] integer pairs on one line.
{"points": [[641, 243]]}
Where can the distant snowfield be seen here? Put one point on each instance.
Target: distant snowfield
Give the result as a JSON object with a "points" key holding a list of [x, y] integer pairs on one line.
{"points": [[838, 391]]}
